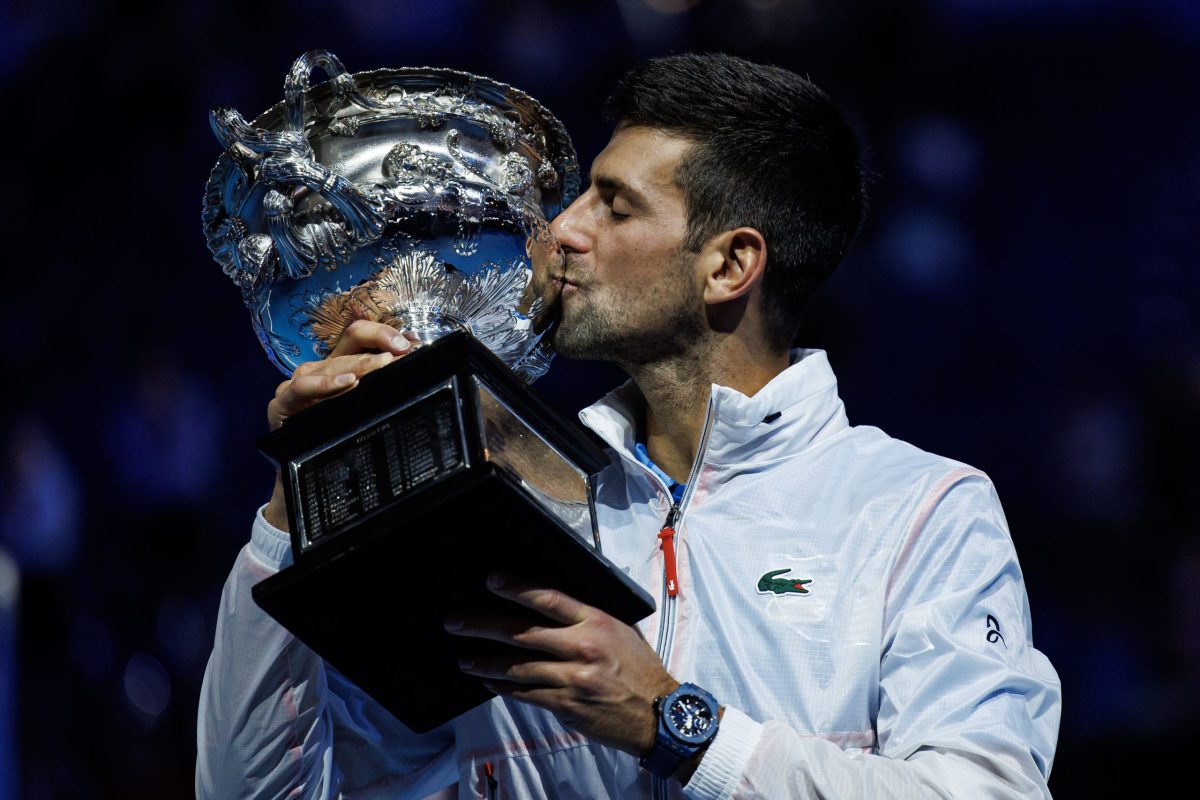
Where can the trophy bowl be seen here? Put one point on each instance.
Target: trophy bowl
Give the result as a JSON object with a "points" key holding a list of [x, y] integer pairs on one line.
{"points": [[411, 196]]}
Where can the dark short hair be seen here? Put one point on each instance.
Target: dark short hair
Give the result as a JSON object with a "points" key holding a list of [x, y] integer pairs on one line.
{"points": [[771, 152]]}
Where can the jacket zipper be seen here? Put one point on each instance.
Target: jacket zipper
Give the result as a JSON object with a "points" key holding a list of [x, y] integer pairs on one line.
{"points": [[666, 537], [493, 786], [670, 586], [670, 590]]}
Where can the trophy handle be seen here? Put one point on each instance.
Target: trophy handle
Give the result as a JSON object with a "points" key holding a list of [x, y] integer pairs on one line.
{"points": [[249, 145], [362, 214], [302, 248], [285, 161], [295, 86]]}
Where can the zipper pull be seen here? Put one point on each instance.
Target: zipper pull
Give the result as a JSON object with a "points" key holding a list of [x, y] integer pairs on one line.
{"points": [[491, 780], [667, 537]]}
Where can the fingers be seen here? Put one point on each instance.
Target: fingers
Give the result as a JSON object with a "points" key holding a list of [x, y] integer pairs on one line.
{"points": [[570, 639], [517, 671], [366, 336], [510, 630], [313, 381], [551, 603], [555, 698], [363, 347]]}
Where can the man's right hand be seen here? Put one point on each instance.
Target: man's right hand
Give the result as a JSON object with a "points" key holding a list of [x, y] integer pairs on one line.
{"points": [[365, 346]]}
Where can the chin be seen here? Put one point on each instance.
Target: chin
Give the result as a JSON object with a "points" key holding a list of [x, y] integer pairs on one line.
{"points": [[571, 345]]}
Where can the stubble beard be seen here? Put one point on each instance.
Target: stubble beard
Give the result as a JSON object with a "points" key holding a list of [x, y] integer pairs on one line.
{"points": [[634, 328]]}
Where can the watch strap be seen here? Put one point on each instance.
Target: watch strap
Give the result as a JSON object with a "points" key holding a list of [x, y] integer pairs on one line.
{"points": [[665, 756]]}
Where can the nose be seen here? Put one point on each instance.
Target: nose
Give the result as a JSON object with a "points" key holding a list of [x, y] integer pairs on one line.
{"points": [[570, 227]]}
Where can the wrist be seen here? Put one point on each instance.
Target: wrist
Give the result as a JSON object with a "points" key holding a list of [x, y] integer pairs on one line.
{"points": [[689, 767], [651, 728], [276, 511]]}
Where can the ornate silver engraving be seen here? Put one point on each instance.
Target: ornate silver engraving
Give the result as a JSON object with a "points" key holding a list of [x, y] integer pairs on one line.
{"points": [[345, 127], [516, 177], [401, 195], [418, 292], [409, 163]]}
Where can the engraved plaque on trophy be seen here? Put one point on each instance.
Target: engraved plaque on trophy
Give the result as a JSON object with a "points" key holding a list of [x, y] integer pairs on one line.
{"points": [[415, 197]]}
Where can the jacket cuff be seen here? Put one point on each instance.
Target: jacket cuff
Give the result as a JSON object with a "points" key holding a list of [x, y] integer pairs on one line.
{"points": [[725, 760], [268, 544]]}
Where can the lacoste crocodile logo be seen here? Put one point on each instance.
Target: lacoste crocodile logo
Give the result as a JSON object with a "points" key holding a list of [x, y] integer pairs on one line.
{"points": [[771, 583]]}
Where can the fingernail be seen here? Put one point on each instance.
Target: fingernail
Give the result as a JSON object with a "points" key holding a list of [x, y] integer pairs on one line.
{"points": [[345, 379], [496, 581], [466, 663], [400, 343], [383, 358], [453, 623]]}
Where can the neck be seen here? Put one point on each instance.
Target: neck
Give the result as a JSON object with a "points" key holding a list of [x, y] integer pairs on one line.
{"points": [[677, 389]]}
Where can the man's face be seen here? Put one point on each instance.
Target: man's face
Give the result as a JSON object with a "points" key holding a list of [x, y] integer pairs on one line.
{"points": [[629, 292]]}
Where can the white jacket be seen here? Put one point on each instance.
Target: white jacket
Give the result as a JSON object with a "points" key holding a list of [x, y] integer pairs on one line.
{"points": [[907, 669]]}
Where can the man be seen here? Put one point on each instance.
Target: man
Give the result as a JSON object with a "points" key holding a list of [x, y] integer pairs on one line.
{"points": [[840, 615]]}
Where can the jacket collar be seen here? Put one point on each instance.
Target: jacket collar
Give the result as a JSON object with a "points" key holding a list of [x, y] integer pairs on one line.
{"points": [[742, 430]]}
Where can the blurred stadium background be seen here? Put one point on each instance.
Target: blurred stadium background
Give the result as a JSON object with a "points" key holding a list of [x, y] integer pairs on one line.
{"points": [[1024, 298]]}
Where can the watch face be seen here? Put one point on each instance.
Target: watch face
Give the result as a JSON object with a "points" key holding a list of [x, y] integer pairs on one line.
{"points": [[690, 718]]}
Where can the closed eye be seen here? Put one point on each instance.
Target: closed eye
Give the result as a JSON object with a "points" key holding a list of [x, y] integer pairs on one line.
{"points": [[613, 192], [610, 206]]}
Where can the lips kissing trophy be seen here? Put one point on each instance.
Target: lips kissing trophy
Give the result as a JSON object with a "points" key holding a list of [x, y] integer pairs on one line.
{"points": [[417, 197]]}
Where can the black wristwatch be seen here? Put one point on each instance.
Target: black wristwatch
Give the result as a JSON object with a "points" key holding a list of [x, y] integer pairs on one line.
{"points": [[687, 723]]}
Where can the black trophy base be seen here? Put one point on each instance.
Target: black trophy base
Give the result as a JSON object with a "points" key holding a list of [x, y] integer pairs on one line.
{"points": [[399, 510]]}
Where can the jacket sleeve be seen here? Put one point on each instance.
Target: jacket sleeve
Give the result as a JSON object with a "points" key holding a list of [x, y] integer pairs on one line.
{"points": [[275, 721], [967, 706]]}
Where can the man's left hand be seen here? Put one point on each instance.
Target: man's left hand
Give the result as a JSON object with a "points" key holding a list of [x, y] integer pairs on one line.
{"points": [[594, 672]]}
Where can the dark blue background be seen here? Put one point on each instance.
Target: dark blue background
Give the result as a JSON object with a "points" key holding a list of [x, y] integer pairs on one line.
{"points": [[1023, 298]]}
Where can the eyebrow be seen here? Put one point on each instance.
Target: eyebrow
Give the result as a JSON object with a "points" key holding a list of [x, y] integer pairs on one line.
{"points": [[610, 183]]}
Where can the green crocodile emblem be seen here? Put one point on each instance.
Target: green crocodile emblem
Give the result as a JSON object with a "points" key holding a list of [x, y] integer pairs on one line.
{"points": [[771, 582]]}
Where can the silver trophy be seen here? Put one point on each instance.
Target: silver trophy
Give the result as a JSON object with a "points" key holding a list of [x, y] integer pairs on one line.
{"points": [[417, 197], [411, 196]]}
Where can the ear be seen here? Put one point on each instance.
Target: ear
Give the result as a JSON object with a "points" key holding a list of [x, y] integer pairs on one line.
{"points": [[734, 262]]}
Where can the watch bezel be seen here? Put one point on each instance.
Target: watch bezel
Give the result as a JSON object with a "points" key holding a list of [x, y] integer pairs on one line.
{"points": [[704, 708]]}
